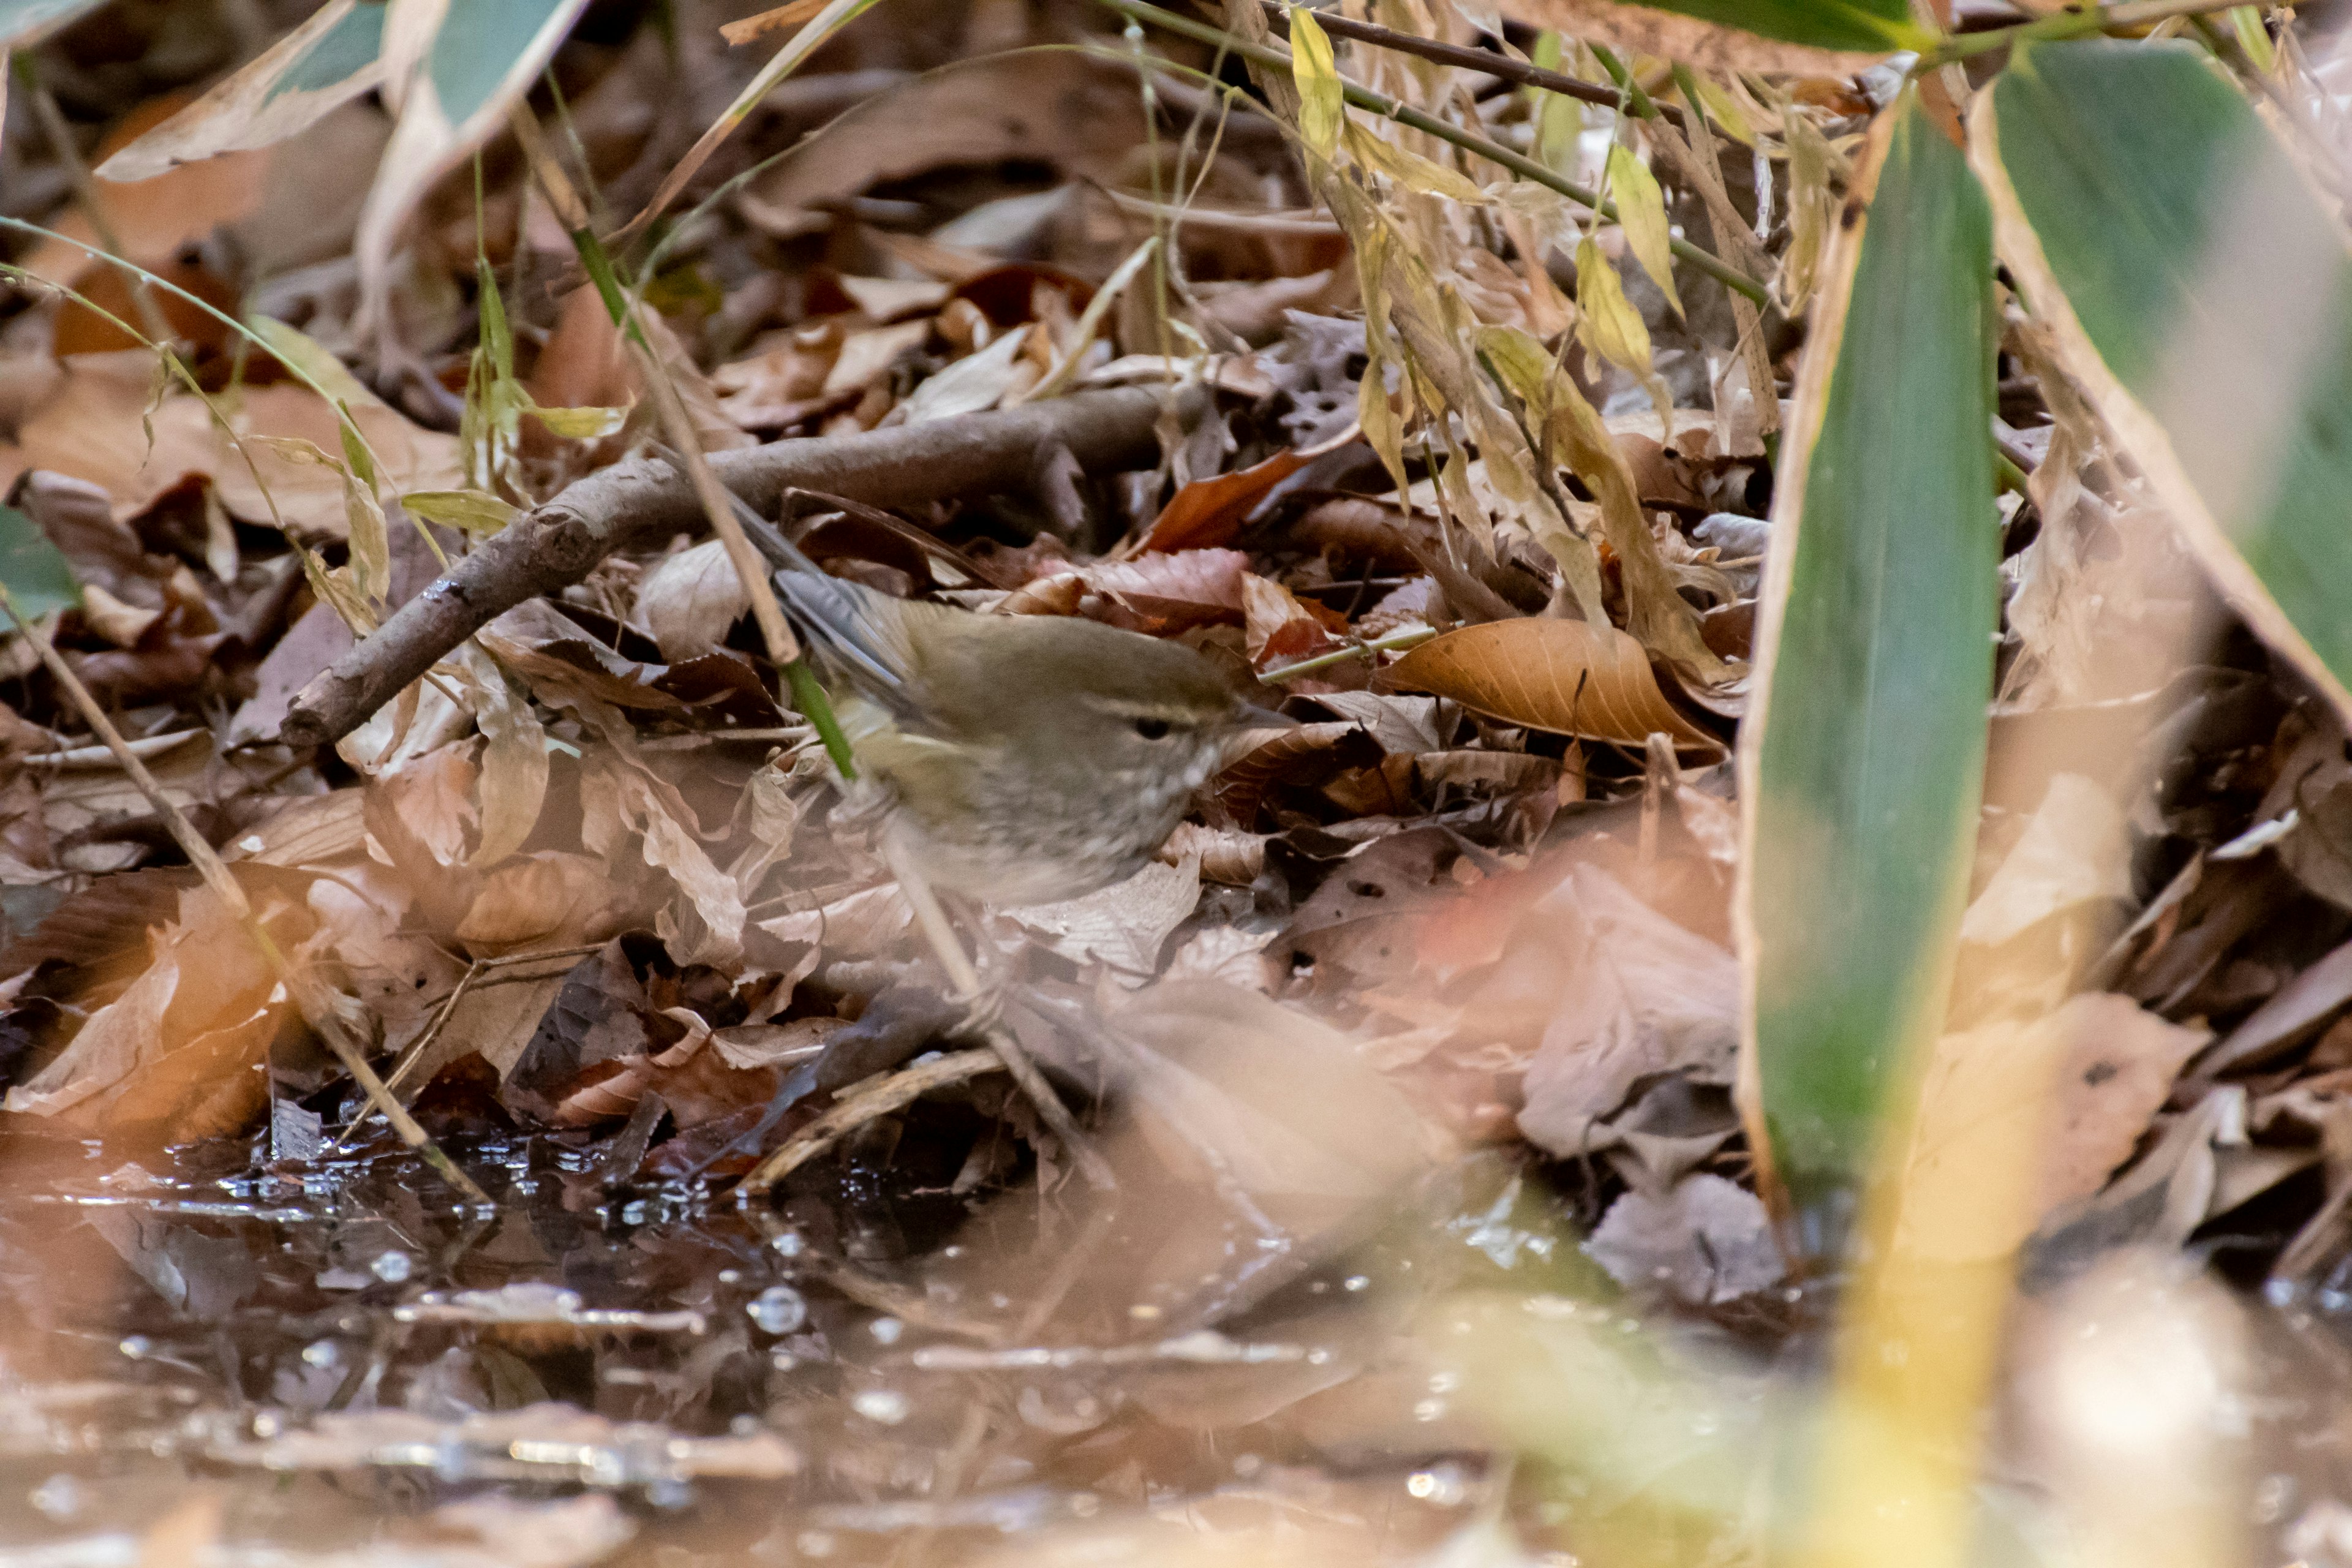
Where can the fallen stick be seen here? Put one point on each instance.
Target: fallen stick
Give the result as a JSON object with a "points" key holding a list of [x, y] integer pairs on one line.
{"points": [[561, 542]]}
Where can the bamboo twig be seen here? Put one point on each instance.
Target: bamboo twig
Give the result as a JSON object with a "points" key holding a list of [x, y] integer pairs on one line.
{"points": [[1364, 97], [303, 988]]}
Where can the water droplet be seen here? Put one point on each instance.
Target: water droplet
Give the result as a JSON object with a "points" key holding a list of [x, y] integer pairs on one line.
{"points": [[885, 1406], [1357, 1282], [886, 1330], [391, 1267], [1443, 1382], [60, 1497], [136, 1346], [1429, 1410], [1248, 1465], [791, 1245], [322, 1353], [778, 1310], [1439, 1484]]}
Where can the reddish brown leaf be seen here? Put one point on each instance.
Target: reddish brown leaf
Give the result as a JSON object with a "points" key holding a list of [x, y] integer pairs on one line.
{"points": [[1567, 677], [1209, 513]]}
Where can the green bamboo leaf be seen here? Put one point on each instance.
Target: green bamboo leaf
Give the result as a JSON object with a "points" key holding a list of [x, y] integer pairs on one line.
{"points": [[39, 578], [1863, 756], [24, 23], [1681, 29], [329, 60], [2201, 293]]}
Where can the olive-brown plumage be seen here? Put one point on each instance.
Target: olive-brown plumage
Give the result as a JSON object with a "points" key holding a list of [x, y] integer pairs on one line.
{"points": [[1021, 758]]}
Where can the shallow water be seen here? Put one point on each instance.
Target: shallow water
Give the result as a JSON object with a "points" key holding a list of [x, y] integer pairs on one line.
{"points": [[333, 1364]]}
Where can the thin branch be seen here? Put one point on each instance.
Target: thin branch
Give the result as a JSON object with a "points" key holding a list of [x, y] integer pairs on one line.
{"points": [[561, 541], [1364, 97], [1487, 62], [877, 1097]]}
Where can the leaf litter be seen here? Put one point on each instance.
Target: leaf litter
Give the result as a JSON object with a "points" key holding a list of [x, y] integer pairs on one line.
{"points": [[1415, 1049]]}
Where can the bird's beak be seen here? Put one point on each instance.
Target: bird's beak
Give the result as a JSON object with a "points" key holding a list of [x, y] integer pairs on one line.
{"points": [[1250, 716]]}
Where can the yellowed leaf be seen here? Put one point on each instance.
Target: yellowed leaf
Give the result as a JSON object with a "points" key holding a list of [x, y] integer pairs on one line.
{"points": [[1410, 168], [1322, 107], [1570, 678], [1642, 211], [1611, 327], [477, 513]]}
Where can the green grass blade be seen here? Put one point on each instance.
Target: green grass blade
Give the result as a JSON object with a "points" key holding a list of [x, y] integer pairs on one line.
{"points": [[1864, 758], [1862, 27], [2202, 295]]}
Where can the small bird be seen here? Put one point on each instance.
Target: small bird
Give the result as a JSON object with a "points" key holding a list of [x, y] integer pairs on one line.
{"points": [[1016, 758], [1026, 759]]}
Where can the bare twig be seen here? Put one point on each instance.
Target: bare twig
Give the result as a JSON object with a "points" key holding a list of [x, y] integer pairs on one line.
{"points": [[877, 1097], [309, 997], [560, 542]]}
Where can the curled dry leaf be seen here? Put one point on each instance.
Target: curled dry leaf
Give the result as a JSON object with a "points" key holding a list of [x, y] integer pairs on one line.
{"points": [[690, 599], [1280, 627], [1210, 512], [1570, 678], [1124, 925], [1163, 592]]}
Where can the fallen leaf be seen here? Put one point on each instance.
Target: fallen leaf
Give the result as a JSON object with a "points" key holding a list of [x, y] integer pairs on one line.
{"points": [[2017, 1120], [1280, 627], [1705, 1242], [1567, 677], [1633, 994], [1210, 512], [2074, 849], [691, 600], [1124, 925]]}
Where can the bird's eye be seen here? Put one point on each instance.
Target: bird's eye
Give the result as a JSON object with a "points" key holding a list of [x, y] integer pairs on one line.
{"points": [[1152, 728]]}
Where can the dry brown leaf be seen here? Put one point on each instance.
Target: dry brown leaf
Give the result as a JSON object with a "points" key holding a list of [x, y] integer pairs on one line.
{"points": [[1280, 627], [154, 218], [1260, 759], [703, 924], [689, 600], [788, 16], [180, 1046], [2017, 1120], [1633, 994], [1124, 925], [1570, 678], [97, 430], [1163, 592], [1022, 106], [545, 899], [1209, 513]]}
